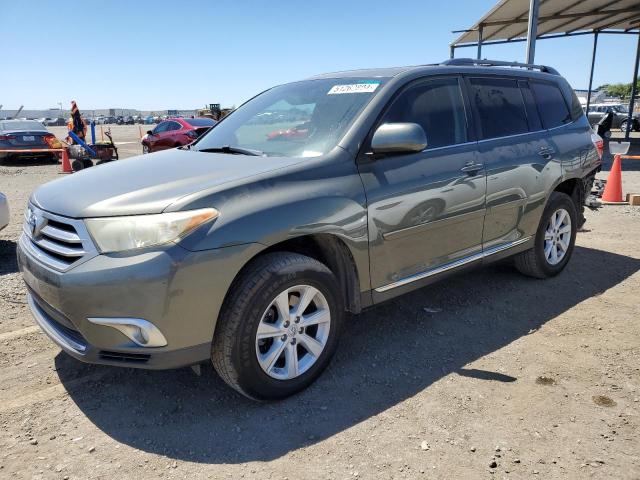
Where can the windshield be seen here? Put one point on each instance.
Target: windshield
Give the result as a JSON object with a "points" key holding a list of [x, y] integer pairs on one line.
{"points": [[303, 119]]}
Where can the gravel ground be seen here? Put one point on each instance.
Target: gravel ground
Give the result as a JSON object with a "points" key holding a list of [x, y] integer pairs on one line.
{"points": [[483, 375]]}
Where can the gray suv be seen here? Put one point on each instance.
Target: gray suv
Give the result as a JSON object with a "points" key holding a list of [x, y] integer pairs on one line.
{"points": [[313, 200]]}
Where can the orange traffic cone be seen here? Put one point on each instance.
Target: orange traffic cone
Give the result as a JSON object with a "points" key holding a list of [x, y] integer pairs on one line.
{"points": [[613, 188], [66, 165]]}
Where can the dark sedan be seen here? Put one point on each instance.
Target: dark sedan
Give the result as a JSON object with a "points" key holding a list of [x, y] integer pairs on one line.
{"points": [[19, 136], [175, 132]]}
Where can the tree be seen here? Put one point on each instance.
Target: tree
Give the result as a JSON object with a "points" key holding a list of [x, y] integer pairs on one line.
{"points": [[621, 90]]}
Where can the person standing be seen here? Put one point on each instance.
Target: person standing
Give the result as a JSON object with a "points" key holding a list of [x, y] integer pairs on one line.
{"points": [[76, 124]]}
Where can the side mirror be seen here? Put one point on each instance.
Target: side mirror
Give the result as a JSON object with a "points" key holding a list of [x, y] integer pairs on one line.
{"points": [[399, 138], [149, 132]]}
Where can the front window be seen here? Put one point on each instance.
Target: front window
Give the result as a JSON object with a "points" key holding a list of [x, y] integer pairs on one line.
{"points": [[302, 119]]}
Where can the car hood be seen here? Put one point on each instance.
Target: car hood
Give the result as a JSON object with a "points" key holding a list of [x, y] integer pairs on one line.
{"points": [[148, 183]]}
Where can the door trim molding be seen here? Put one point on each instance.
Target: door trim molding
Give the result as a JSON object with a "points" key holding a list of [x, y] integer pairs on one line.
{"points": [[452, 265]]}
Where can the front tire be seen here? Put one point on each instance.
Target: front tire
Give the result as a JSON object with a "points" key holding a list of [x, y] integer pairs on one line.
{"points": [[145, 148], [279, 327], [555, 239]]}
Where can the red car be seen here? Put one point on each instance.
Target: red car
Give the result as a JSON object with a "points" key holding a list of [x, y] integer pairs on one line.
{"points": [[175, 132]]}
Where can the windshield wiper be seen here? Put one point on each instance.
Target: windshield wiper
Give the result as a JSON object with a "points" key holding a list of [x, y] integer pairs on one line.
{"points": [[232, 150]]}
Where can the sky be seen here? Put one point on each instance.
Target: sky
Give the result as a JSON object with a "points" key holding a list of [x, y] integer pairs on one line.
{"points": [[184, 54]]}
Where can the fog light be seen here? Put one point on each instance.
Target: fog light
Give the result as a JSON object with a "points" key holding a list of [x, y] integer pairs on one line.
{"points": [[142, 332]]}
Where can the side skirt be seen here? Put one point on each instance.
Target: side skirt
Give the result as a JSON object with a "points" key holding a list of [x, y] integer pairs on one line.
{"points": [[418, 280]]}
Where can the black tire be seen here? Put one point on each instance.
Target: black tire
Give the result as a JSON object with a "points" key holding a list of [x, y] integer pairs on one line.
{"points": [[233, 350], [623, 126], [533, 262], [77, 165], [145, 148]]}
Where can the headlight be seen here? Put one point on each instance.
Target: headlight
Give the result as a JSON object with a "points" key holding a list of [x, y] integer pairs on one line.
{"points": [[118, 234]]}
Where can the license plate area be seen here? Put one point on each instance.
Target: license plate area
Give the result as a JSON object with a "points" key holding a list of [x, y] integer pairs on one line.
{"points": [[28, 138]]}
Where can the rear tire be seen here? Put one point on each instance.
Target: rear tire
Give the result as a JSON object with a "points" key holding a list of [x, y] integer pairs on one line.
{"points": [[555, 239], [263, 346], [623, 126]]}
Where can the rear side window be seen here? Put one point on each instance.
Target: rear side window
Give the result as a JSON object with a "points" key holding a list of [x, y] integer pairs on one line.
{"points": [[533, 117], [500, 106], [553, 109], [437, 106]]}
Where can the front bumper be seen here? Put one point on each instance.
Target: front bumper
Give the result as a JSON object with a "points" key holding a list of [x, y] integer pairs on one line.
{"points": [[178, 291]]}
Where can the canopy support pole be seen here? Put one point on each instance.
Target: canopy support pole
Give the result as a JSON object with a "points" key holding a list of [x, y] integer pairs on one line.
{"points": [[480, 42], [532, 30], [452, 51], [593, 63], [634, 82]]}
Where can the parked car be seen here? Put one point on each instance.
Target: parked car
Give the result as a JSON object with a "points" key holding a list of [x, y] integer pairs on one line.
{"points": [[128, 120], [248, 251], [4, 211], [20, 135], [620, 115], [175, 132], [149, 120], [56, 122]]}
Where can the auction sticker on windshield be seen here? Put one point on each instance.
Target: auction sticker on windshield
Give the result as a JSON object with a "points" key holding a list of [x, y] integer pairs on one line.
{"points": [[367, 87]]}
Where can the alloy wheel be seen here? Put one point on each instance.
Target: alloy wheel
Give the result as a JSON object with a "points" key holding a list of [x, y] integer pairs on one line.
{"points": [[293, 332], [557, 236]]}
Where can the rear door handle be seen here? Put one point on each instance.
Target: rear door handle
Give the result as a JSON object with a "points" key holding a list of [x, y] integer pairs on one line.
{"points": [[472, 168]]}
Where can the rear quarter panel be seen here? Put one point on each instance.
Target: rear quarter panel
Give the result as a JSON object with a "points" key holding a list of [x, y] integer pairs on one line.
{"points": [[575, 149]]}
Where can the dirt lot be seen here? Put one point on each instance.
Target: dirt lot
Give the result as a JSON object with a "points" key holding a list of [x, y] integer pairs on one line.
{"points": [[540, 377]]}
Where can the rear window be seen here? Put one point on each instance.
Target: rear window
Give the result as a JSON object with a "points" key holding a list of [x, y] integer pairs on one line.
{"points": [[22, 125], [200, 122], [551, 104]]}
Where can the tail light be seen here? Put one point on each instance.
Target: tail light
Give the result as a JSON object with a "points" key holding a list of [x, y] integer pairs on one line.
{"points": [[192, 134], [52, 141], [4, 138], [598, 143]]}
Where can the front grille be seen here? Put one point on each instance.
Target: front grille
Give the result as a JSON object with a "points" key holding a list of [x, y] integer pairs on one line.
{"points": [[58, 242], [124, 357]]}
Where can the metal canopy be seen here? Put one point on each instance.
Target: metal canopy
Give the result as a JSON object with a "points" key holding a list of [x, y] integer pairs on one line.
{"points": [[531, 20], [507, 21]]}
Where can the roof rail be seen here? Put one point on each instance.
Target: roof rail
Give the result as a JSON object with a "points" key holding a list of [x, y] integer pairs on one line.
{"points": [[499, 63]]}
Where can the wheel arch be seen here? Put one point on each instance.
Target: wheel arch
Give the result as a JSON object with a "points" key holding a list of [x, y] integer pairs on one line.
{"points": [[329, 250]]}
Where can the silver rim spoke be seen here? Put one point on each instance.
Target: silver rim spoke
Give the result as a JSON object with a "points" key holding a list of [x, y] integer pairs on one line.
{"points": [[311, 345], [282, 305], [269, 360], [268, 330], [557, 236], [319, 316], [291, 360], [288, 340], [308, 295]]}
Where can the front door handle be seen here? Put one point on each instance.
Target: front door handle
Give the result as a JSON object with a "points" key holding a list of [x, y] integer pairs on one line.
{"points": [[472, 168], [546, 153]]}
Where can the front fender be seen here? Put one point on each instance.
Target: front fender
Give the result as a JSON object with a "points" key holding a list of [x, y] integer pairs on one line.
{"points": [[319, 197]]}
